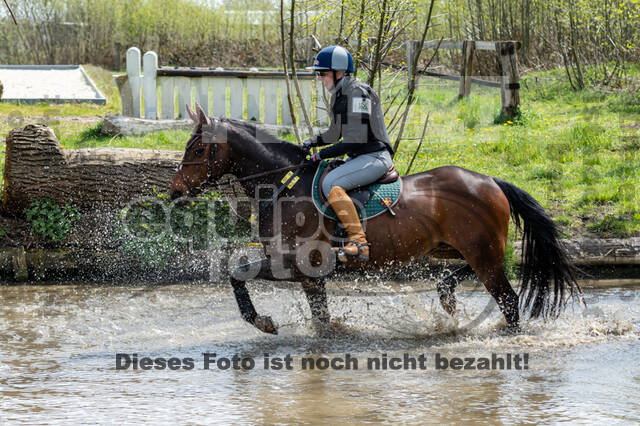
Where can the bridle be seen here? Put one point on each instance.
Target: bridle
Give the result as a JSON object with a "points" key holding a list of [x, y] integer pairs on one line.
{"points": [[210, 161]]}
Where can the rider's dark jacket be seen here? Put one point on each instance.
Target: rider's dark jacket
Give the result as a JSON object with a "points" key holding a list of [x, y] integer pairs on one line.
{"points": [[357, 118]]}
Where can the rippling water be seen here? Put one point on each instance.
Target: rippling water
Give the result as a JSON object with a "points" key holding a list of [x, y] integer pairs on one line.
{"points": [[58, 347]]}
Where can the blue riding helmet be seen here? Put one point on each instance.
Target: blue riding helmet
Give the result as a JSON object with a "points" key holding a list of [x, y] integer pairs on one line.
{"points": [[333, 58]]}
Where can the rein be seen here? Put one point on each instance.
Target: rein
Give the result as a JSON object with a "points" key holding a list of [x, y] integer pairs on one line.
{"points": [[259, 175], [210, 161]]}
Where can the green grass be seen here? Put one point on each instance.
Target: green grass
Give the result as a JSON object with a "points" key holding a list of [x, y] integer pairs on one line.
{"points": [[91, 137], [575, 152], [66, 120]]}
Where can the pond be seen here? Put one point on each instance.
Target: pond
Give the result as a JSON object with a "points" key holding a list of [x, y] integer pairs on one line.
{"points": [[67, 356]]}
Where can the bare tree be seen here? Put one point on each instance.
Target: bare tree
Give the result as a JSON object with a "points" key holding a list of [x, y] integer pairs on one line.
{"points": [[10, 12], [305, 114], [377, 53], [286, 70], [412, 78]]}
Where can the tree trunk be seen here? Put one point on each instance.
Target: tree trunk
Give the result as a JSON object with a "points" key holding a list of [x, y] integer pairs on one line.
{"points": [[377, 52], [358, 58], [37, 167]]}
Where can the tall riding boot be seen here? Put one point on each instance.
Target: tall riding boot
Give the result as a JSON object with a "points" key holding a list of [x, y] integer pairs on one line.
{"points": [[346, 212]]}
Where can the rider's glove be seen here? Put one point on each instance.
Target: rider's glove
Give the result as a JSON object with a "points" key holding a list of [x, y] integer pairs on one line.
{"points": [[314, 160], [306, 145]]}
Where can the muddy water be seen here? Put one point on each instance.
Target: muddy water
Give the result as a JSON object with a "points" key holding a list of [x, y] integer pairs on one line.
{"points": [[58, 347]]}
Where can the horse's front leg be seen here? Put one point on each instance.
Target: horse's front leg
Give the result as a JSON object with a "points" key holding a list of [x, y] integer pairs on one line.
{"points": [[316, 294], [447, 286], [259, 269]]}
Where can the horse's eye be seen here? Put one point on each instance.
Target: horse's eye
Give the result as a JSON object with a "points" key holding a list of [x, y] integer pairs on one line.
{"points": [[199, 152]]}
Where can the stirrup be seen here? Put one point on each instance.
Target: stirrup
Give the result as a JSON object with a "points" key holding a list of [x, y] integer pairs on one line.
{"points": [[343, 256]]}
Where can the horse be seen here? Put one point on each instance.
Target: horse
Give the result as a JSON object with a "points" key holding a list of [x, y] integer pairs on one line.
{"points": [[448, 212]]}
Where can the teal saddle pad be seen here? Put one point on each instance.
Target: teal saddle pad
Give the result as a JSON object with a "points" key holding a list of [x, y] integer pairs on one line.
{"points": [[377, 193]]}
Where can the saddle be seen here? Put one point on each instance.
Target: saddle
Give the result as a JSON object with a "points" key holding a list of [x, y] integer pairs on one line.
{"points": [[361, 194], [385, 192]]}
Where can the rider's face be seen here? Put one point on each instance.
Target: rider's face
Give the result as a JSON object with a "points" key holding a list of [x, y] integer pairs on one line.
{"points": [[326, 77]]}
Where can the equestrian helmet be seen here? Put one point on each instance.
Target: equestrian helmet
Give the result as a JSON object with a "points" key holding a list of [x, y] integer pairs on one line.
{"points": [[333, 58]]}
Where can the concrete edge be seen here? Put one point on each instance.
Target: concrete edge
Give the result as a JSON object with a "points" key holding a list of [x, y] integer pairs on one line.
{"points": [[20, 265]]}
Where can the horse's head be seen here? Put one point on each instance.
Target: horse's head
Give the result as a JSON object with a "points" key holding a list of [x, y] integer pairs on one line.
{"points": [[205, 156]]}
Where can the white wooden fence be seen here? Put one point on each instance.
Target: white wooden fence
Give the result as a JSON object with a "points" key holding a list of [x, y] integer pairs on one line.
{"points": [[243, 94]]}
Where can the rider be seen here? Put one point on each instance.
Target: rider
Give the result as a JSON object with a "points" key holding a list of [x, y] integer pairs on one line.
{"points": [[357, 119]]}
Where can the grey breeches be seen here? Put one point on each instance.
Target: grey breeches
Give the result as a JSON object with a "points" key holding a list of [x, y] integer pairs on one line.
{"points": [[359, 171]]}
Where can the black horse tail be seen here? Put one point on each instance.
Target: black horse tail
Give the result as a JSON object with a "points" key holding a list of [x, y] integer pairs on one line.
{"points": [[544, 259]]}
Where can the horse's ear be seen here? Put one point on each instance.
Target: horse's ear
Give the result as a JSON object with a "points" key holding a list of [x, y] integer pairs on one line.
{"points": [[202, 116], [192, 114]]}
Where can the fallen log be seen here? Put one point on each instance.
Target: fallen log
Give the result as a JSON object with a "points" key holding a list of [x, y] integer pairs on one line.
{"points": [[37, 167], [118, 125]]}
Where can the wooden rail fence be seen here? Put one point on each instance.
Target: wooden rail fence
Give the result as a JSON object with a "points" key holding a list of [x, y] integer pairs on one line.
{"points": [[253, 94], [507, 55]]}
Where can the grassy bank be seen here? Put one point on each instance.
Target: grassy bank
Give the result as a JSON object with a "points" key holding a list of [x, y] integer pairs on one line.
{"points": [[576, 152]]}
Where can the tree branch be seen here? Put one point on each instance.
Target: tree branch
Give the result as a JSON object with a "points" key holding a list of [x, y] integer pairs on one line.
{"points": [[286, 71], [294, 76], [11, 12], [412, 79]]}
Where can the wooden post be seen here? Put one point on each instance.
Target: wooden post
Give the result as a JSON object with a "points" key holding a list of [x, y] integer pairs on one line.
{"points": [[126, 97], [468, 49], [309, 55], [510, 91], [306, 44], [150, 67], [135, 81], [412, 50]]}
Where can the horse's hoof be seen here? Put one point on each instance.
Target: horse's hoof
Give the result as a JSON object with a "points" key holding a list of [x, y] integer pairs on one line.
{"points": [[265, 324], [448, 303], [513, 329], [322, 328]]}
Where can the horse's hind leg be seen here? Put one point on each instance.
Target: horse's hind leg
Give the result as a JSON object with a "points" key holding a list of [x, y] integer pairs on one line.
{"points": [[497, 283], [486, 260], [447, 286], [316, 294]]}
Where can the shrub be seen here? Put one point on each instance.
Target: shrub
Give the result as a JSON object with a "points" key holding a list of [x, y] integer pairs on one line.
{"points": [[50, 220], [154, 231]]}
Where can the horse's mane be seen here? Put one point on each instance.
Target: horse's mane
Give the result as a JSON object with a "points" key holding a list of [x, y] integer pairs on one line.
{"points": [[267, 141]]}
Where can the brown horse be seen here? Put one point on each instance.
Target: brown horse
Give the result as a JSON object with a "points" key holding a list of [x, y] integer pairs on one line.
{"points": [[448, 212]]}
